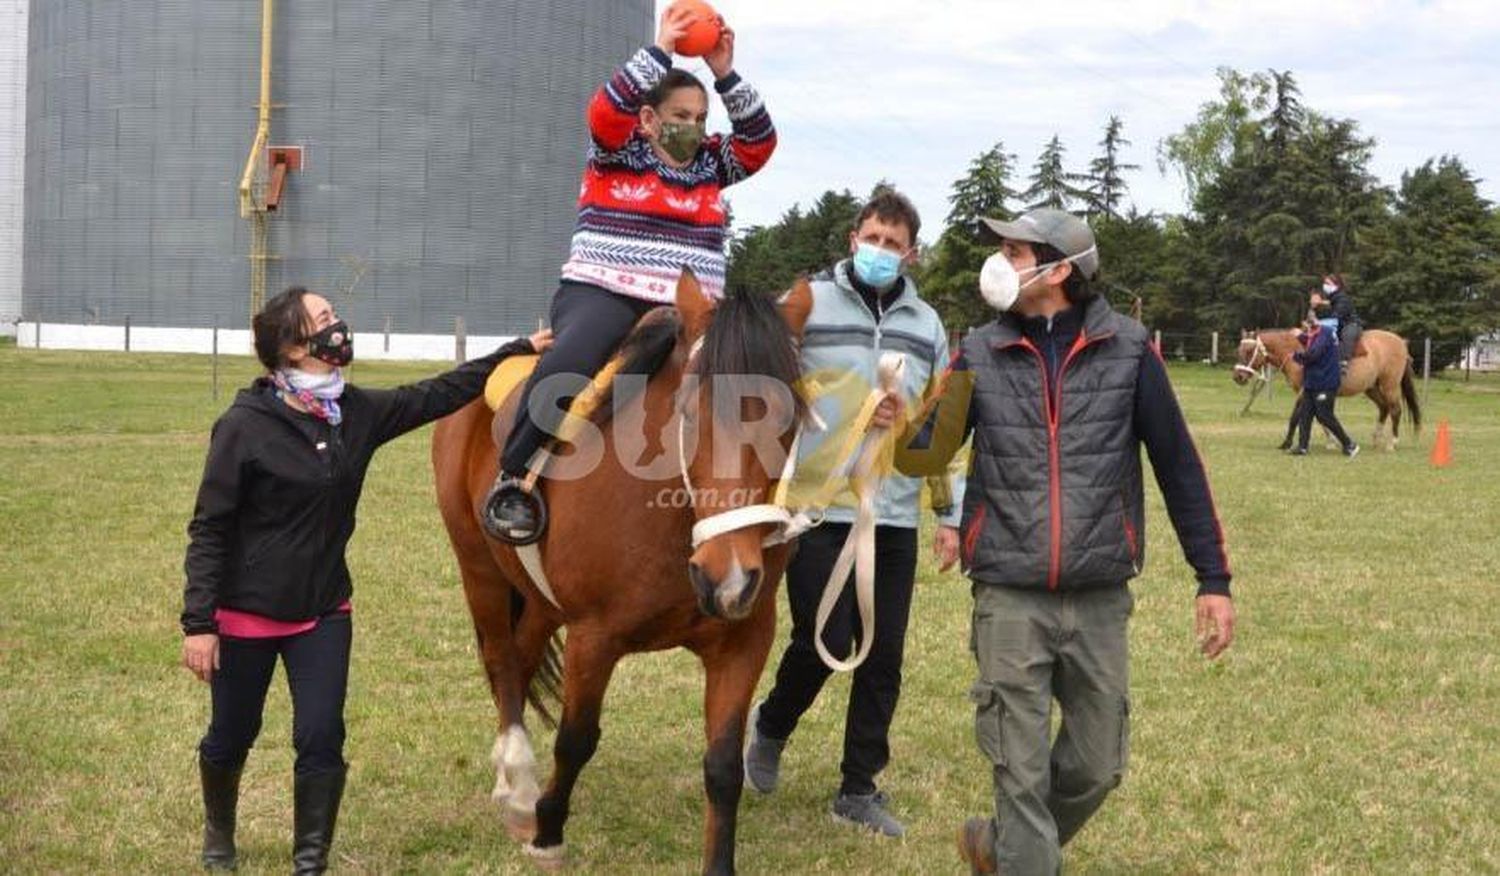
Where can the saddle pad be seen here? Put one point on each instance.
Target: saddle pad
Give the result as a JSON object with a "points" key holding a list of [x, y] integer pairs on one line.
{"points": [[508, 375], [514, 371]]}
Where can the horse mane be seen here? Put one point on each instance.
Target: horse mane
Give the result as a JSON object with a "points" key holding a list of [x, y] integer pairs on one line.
{"points": [[644, 351], [748, 338]]}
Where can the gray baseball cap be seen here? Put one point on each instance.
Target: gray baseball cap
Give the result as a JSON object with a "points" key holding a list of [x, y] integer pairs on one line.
{"points": [[1058, 229]]}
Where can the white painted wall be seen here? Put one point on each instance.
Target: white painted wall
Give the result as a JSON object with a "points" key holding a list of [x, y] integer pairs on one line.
{"points": [[368, 346], [12, 156]]}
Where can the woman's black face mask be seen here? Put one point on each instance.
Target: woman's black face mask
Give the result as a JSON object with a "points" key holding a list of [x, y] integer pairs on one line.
{"points": [[334, 345]]}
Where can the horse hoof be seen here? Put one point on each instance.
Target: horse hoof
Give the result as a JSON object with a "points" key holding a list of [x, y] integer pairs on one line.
{"points": [[549, 858], [521, 825]]}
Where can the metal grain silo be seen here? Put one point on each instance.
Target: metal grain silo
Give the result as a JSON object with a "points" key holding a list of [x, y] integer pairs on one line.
{"points": [[439, 145], [12, 155]]}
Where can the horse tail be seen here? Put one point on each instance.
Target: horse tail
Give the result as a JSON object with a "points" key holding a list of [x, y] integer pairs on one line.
{"points": [[1409, 393], [545, 690]]}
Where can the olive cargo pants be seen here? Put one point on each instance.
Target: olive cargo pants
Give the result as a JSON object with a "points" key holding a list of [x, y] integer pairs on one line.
{"points": [[1034, 646]]}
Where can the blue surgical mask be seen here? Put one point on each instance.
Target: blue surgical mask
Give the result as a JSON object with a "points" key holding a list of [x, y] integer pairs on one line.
{"points": [[877, 266]]}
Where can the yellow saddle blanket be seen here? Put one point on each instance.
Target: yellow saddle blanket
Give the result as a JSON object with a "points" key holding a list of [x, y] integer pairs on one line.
{"points": [[514, 371]]}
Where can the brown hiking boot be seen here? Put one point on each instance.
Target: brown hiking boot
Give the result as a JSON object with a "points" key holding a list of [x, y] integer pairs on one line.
{"points": [[976, 845]]}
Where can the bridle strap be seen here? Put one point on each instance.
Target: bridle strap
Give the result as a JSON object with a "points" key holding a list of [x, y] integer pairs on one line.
{"points": [[1259, 353]]}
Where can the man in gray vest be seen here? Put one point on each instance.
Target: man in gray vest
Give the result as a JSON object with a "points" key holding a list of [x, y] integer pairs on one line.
{"points": [[1059, 394]]}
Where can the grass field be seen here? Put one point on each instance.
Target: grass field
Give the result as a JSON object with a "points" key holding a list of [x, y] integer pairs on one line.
{"points": [[1354, 726]]}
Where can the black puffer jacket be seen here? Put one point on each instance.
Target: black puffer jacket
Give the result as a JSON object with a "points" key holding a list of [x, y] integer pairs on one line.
{"points": [[276, 506]]}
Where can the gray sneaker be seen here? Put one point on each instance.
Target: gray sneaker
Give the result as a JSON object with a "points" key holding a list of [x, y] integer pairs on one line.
{"points": [[868, 811], [762, 756]]}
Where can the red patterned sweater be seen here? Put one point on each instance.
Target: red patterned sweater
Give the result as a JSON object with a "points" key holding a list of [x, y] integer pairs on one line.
{"points": [[641, 222]]}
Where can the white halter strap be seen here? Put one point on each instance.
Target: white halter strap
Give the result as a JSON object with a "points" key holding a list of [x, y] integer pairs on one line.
{"points": [[1260, 353], [773, 512]]}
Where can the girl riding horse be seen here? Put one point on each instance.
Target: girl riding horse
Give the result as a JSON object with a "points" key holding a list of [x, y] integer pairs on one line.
{"points": [[649, 206]]}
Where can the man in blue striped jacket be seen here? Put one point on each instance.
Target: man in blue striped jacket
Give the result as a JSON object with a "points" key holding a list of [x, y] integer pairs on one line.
{"points": [[863, 308]]}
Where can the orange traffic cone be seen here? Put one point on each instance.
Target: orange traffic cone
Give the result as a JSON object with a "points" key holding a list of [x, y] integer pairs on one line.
{"points": [[1442, 448]]}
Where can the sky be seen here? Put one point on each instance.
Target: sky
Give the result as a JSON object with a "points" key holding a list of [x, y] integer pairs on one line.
{"points": [[913, 91]]}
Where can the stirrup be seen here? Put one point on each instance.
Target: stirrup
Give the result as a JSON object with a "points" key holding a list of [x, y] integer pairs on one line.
{"points": [[512, 489]]}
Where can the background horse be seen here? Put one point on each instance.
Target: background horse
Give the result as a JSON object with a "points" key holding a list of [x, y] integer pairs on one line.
{"points": [[620, 561], [1381, 370]]}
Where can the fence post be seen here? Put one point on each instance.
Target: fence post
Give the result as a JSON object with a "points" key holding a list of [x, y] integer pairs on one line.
{"points": [[1426, 369], [36, 339], [460, 340], [1213, 354], [216, 358], [127, 333], [387, 333]]}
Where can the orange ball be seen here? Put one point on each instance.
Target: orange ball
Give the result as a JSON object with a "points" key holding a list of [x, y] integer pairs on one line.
{"points": [[702, 33]]}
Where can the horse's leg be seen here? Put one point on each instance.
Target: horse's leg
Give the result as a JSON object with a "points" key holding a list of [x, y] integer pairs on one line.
{"points": [[732, 669], [489, 597], [588, 661], [1395, 424], [1390, 390], [459, 443], [1373, 393], [515, 762]]}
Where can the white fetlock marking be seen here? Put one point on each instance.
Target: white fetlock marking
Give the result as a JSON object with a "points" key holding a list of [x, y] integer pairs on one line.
{"points": [[545, 853], [518, 764], [497, 758]]}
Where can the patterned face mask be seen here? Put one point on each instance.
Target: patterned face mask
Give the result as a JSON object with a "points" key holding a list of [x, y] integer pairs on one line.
{"points": [[334, 345], [681, 139]]}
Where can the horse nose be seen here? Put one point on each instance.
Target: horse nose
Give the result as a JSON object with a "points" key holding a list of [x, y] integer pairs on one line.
{"points": [[730, 599], [739, 597], [703, 589]]}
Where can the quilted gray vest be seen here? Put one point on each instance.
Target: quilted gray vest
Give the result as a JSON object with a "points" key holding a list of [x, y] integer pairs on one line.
{"points": [[1055, 501]]}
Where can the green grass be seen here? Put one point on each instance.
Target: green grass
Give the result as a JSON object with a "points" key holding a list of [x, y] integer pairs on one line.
{"points": [[1354, 726]]}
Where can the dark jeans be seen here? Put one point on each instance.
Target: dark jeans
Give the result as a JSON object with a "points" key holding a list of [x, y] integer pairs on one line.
{"points": [[317, 672], [1348, 337], [877, 682], [588, 323], [1320, 405]]}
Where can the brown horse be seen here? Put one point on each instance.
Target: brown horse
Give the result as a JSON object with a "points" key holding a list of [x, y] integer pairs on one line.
{"points": [[619, 551], [1381, 370]]}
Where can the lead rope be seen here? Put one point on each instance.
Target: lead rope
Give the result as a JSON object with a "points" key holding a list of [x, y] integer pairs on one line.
{"points": [[858, 551]]}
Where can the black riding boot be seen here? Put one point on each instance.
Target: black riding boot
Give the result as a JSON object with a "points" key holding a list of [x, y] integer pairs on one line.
{"points": [[316, 800], [221, 793]]}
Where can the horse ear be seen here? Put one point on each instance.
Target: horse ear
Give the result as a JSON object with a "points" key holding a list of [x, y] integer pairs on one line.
{"points": [[796, 306], [695, 307]]}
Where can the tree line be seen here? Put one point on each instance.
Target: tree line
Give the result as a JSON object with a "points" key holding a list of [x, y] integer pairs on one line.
{"points": [[1279, 195]]}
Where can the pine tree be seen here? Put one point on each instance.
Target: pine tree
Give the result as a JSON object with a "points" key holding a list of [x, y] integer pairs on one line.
{"points": [[985, 190], [1051, 184], [1107, 186], [949, 276]]}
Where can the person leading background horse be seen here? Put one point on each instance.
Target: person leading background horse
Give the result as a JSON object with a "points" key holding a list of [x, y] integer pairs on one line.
{"points": [[1320, 386]]}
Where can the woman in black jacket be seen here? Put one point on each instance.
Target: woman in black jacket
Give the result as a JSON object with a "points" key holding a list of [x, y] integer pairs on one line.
{"points": [[266, 575]]}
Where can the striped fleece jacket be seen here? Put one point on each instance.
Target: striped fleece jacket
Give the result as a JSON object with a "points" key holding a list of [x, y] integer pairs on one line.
{"points": [[641, 222]]}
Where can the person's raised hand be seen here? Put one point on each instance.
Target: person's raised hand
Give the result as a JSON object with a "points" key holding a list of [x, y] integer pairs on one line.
{"points": [[673, 27], [720, 58]]}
